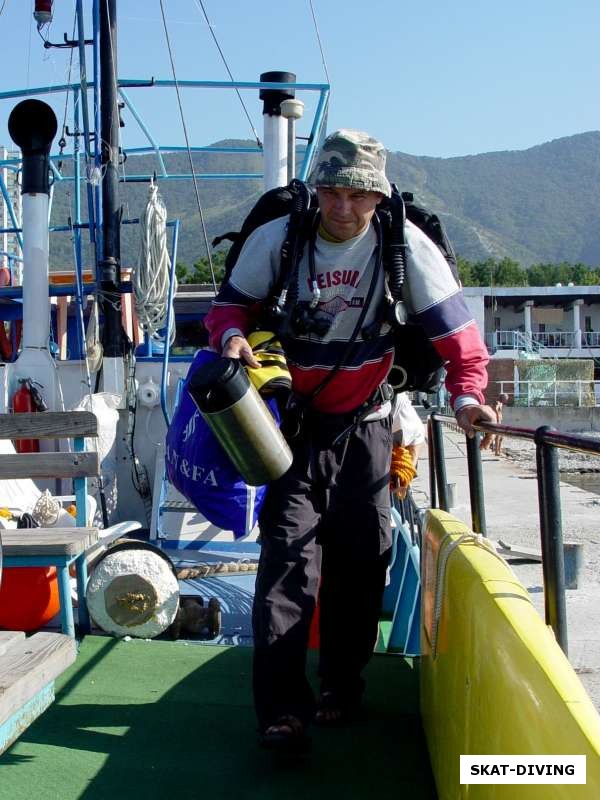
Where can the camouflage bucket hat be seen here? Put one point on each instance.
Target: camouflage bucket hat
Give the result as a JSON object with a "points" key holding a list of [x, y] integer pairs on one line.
{"points": [[351, 159]]}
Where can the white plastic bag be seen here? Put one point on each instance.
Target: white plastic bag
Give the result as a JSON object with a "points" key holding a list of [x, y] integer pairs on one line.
{"points": [[105, 407]]}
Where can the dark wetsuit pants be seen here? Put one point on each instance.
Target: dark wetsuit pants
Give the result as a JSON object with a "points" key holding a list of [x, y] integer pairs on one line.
{"points": [[326, 521]]}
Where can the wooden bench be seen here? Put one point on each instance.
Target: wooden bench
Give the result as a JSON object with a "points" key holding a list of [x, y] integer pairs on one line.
{"points": [[57, 547], [28, 668]]}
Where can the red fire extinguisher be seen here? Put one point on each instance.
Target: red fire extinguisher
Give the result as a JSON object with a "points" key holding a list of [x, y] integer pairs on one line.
{"points": [[27, 398]]}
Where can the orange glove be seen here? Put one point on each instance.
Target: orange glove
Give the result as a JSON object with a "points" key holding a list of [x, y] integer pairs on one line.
{"points": [[402, 470]]}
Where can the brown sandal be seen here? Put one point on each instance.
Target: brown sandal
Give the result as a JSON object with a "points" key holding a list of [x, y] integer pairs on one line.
{"points": [[286, 735], [334, 711]]}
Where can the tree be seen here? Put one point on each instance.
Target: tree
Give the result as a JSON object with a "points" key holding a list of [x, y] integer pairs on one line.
{"points": [[540, 275], [483, 272], [202, 273], [465, 271], [509, 273], [182, 273]]}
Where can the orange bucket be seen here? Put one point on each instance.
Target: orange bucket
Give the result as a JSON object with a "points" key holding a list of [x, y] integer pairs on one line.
{"points": [[28, 597]]}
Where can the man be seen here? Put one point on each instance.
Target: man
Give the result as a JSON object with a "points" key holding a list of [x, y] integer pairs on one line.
{"points": [[326, 523], [408, 440]]}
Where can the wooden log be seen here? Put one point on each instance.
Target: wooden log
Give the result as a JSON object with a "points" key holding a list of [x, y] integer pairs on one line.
{"points": [[47, 541], [48, 425], [48, 465]]}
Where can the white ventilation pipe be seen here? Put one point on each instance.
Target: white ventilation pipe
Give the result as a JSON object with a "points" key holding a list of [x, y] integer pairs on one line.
{"points": [[291, 110], [275, 129], [36, 304]]}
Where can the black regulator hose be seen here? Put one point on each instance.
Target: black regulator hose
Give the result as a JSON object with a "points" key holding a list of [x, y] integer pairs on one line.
{"points": [[290, 255], [397, 245]]}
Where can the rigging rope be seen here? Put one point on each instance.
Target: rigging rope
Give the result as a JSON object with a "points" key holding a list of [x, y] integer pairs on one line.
{"points": [[312, 11], [62, 141], [150, 280], [237, 91], [189, 151]]}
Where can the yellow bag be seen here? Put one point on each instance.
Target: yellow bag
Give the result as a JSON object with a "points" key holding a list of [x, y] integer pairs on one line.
{"points": [[273, 374]]}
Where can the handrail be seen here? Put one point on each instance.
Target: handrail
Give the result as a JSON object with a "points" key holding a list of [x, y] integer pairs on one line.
{"points": [[546, 440]]}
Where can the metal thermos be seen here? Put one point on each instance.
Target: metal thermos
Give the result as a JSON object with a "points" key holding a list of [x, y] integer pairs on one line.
{"points": [[239, 418]]}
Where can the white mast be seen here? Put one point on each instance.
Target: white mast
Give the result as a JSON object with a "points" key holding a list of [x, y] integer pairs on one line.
{"points": [[275, 129], [32, 126]]}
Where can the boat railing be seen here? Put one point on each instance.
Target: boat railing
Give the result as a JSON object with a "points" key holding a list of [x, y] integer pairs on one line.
{"points": [[547, 441]]}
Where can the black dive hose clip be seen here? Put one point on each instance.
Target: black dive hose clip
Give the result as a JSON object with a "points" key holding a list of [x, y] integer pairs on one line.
{"points": [[395, 256]]}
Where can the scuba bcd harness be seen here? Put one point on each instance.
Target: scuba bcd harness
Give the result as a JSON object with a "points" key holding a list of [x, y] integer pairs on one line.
{"points": [[297, 406], [417, 366], [289, 315]]}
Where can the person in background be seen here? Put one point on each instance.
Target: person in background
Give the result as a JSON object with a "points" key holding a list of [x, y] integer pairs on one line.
{"points": [[498, 405], [407, 427], [408, 439], [327, 520]]}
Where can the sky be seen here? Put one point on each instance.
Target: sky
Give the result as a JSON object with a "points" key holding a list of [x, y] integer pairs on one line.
{"points": [[439, 79]]}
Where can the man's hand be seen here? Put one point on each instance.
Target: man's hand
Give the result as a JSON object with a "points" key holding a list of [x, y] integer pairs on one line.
{"points": [[238, 347], [467, 416]]}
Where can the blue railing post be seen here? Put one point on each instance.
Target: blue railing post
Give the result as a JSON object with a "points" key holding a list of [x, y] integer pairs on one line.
{"points": [[86, 117], [98, 216], [551, 530], [169, 324]]}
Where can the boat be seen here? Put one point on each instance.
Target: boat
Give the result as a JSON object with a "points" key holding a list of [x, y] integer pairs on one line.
{"points": [[464, 664]]}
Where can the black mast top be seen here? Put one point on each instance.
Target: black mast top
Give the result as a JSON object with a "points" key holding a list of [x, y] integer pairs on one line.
{"points": [[110, 266], [32, 126]]}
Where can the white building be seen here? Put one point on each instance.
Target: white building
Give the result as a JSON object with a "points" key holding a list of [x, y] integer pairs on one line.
{"points": [[9, 243], [553, 321]]}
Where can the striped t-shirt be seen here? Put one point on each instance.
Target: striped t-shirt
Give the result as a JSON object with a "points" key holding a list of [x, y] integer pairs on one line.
{"points": [[344, 271]]}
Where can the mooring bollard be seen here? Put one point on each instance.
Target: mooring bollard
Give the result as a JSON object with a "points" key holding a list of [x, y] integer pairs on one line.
{"points": [[573, 557]]}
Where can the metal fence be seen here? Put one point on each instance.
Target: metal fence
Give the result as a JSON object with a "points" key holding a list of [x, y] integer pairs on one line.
{"points": [[547, 441], [536, 340], [551, 392]]}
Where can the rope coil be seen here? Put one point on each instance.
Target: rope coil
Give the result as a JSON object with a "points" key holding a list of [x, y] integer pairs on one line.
{"points": [[150, 279], [402, 469], [446, 548]]}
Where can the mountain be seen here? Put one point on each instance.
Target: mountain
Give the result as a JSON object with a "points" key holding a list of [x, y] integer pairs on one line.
{"points": [[536, 205]]}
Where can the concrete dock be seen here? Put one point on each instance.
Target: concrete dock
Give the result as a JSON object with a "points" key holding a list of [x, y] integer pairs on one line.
{"points": [[512, 515]]}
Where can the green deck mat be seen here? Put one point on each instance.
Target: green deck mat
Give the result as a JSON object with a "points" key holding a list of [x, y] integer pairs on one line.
{"points": [[149, 719]]}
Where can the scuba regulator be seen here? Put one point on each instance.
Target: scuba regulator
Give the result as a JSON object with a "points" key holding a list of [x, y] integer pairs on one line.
{"points": [[289, 316]]}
